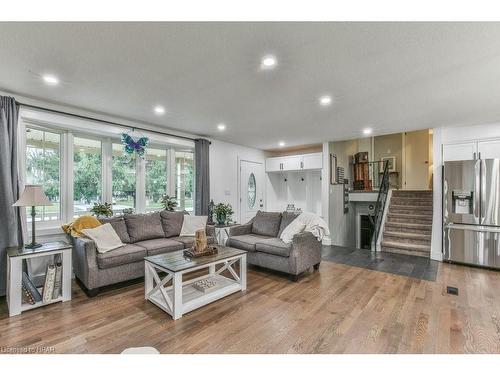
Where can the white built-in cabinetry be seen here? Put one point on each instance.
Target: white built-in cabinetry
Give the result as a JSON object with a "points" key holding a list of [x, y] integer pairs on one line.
{"points": [[294, 180], [486, 149], [295, 162]]}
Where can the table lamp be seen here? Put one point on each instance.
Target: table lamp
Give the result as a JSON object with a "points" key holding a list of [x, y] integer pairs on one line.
{"points": [[33, 195]]}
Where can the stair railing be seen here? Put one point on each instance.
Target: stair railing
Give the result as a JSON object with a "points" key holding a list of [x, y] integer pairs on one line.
{"points": [[376, 220]]}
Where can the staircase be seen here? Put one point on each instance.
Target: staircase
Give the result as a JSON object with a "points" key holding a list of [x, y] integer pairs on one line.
{"points": [[408, 227]]}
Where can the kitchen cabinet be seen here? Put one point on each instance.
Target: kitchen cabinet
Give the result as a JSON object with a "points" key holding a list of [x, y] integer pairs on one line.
{"points": [[489, 149], [460, 151]]}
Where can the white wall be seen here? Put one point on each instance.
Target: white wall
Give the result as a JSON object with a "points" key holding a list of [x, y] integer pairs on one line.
{"points": [[224, 171], [444, 136]]}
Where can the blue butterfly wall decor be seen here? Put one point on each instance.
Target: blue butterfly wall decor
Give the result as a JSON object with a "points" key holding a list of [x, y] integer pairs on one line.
{"points": [[131, 146]]}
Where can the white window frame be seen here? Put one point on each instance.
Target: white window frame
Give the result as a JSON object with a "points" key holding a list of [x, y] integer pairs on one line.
{"points": [[69, 127], [62, 169]]}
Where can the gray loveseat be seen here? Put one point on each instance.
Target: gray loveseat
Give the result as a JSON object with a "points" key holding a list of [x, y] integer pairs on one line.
{"points": [[260, 238], [143, 235]]}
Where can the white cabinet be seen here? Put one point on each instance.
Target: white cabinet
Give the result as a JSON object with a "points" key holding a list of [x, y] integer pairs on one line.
{"points": [[489, 149], [312, 161], [274, 164], [295, 163], [291, 163], [460, 151]]}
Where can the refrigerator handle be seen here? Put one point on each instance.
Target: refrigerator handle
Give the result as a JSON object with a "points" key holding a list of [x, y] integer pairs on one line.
{"points": [[483, 191], [474, 156], [477, 187]]}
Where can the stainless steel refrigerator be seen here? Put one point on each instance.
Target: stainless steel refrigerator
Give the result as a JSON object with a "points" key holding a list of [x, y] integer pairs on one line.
{"points": [[471, 212]]}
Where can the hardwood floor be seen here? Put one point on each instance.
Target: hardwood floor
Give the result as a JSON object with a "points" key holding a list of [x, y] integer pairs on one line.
{"points": [[340, 309]]}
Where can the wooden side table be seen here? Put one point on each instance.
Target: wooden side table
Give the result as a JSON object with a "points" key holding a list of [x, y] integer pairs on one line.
{"points": [[15, 257]]}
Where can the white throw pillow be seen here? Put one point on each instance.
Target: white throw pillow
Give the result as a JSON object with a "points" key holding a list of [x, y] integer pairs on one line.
{"points": [[295, 227], [193, 223], [104, 237]]}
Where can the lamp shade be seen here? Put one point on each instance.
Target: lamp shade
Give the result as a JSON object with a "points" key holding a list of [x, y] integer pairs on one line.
{"points": [[33, 195]]}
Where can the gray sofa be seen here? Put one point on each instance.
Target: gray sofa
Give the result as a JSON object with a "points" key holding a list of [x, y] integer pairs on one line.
{"points": [[143, 235], [260, 238]]}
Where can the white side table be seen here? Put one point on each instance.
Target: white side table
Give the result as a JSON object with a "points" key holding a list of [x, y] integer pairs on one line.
{"points": [[15, 257], [222, 233]]}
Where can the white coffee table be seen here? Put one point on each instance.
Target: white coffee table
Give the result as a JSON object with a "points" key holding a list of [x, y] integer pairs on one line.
{"points": [[181, 296]]}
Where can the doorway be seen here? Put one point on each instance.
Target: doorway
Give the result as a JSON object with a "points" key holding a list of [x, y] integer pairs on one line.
{"points": [[417, 160], [251, 191]]}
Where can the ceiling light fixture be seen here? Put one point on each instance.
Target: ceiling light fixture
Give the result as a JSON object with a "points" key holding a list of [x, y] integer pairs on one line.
{"points": [[268, 62], [50, 79], [281, 144], [159, 110], [221, 127], [325, 100], [367, 131]]}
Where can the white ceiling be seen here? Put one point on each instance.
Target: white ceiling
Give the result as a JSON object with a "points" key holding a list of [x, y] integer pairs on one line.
{"points": [[388, 76]]}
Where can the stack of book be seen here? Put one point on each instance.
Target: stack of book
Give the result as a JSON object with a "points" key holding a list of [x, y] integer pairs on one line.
{"points": [[30, 291], [51, 288]]}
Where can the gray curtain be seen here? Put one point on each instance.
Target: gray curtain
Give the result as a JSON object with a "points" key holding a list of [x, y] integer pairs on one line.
{"points": [[10, 230], [202, 176]]}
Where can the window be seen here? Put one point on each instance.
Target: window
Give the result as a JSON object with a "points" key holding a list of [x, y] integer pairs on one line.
{"points": [[184, 180], [123, 179], [80, 164], [87, 170], [156, 178], [251, 190], [43, 168]]}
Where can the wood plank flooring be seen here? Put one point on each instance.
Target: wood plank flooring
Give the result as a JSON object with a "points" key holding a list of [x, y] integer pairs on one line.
{"points": [[340, 309]]}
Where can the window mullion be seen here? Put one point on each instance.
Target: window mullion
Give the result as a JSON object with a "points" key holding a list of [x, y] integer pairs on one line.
{"points": [[107, 178], [67, 178], [171, 172], [140, 187]]}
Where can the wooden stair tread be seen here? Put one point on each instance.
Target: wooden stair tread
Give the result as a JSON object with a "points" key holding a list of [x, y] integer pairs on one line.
{"points": [[406, 246], [415, 216], [408, 235], [410, 207], [408, 226]]}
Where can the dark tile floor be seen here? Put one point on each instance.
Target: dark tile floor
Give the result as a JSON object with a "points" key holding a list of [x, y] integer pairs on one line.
{"points": [[399, 264]]}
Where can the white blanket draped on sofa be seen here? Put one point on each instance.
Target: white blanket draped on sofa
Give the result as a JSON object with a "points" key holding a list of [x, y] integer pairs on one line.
{"points": [[314, 224]]}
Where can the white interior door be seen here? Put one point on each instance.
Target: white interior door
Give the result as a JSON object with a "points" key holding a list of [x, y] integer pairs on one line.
{"points": [[251, 189]]}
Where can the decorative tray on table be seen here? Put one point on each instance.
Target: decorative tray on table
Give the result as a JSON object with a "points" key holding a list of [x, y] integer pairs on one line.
{"points": [[192, 253]]}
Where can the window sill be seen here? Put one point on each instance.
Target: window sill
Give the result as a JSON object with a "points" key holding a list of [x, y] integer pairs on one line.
{"points": [[47, 231]]}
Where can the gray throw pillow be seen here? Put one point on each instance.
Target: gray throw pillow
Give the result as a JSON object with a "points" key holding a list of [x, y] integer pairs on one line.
{"points": [[144, 226], [171, 222], [118, 224], [266, 223], [286, 219]]}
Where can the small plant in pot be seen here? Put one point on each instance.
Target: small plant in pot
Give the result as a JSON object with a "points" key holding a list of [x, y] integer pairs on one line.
{"points": [[169, 203], [102, 210], [223, 213]]}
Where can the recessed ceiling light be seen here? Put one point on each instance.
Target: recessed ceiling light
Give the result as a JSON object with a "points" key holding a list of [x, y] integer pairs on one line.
{"points": [[159, 110], [281, 144], [268, 62], [221, 127], [367, 131], [325, 100], [50, 79]]}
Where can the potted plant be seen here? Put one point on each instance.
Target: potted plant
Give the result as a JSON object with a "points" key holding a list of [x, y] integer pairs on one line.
{"points": [[169, 203], [101, 210], [223, 213], [128, 211]]}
